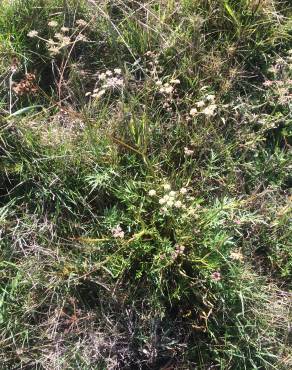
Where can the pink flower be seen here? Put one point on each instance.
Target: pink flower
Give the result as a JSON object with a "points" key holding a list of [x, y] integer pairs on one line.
{"points": [[216, 276]]}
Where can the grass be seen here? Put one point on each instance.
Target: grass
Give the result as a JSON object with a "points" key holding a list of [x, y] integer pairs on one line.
{"points": [[145, 189]]}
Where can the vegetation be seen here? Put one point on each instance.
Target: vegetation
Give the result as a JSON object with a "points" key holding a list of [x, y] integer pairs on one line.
{"points": [[145, 188]]}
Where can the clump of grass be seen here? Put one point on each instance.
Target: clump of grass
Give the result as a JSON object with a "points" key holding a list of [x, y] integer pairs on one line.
{"points": [[145, 185]]}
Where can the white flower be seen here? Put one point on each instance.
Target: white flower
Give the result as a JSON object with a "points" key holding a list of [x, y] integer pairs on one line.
{"points": [[66, 41], [193, 111], [166, 187], [114, 82], [210, 110], [188, 152], [54, 50], [109, 73], [99, 94], [152, 192], [169, 203], [102, 76], [175, 82], [162, 201], [166, 198], [200, 104], [158, 83], [51, 42], [168, 89], [178, 204], [64, 29], [81, 37], [183, 191], [53, 24], [192, 211], [164, 210], [118, 71], [210, 98], [81, 22], [236, 255], [32, 33], [172, 194], [118, 232], [59, 36]]}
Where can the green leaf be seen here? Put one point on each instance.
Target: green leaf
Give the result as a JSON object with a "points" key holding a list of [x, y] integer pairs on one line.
{"points": [[25, 110]]}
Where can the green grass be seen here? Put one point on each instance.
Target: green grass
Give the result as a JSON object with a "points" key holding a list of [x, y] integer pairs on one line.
{"points": [[145, 188]]}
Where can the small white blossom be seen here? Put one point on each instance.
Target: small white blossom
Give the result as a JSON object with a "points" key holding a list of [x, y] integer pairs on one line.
{"points": [[152, 192], [53, 24], [178, 204], [210, 98], [109, 73], [81, 37], [81, 22], [102, 76], [237, 255], [162, 201], [191, 211], [193, 112], [66, 41], [169, 203], [158, 83], [64, 29], [118, 232], [164, 210], [210, 110], [168, 89], [51, 42], [99, 94], [172, 194], [175, 82], [32, 33], [118, 71], [200, 104], [166, 187], [188, 152], [183, 191], [59, 36], [54, 50]]}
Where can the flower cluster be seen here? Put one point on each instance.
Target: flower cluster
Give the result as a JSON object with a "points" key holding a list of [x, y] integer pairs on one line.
{"points": [[205, 106], [188, 152], [109, 80], [166, 88], [153, 66], [168, 91], [117, 232], [60, 40], [170, 199]]}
